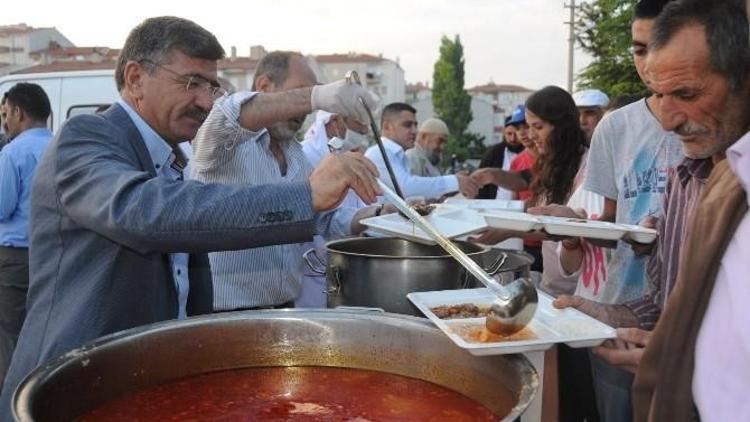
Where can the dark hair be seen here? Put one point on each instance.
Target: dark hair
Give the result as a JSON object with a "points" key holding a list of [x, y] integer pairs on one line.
{"points": [[275, 66], [726, 30], [393, 109], [154, 39], [32, 99], [555, 168], [649, 9]]}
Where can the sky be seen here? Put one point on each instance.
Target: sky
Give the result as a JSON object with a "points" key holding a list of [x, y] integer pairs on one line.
{"points": [[522, 42]]}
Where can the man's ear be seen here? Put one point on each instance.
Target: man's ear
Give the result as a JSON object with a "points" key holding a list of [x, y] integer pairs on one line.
{"points": [[263, 84], [134, 74]]}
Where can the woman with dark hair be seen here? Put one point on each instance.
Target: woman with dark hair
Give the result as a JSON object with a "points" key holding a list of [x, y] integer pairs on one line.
{"points": [[559, 168], [557, 175], [560, 142]]}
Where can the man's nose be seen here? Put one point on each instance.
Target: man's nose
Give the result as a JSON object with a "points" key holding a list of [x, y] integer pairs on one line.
{"points": [[670, 114], [204, 100]]}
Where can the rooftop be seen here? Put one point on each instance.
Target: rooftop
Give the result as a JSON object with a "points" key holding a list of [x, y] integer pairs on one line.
{"points": [[493, 88], [350, 57], [68, 66]]}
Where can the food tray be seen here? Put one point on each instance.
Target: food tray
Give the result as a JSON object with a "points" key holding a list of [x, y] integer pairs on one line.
{"points": [[486, 204], [450, 222], [549, 325], [641, 234], [563, 226], [511, 220]]}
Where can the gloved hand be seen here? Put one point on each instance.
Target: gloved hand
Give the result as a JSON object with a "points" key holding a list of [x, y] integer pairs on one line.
{"points": [[342, 97]]}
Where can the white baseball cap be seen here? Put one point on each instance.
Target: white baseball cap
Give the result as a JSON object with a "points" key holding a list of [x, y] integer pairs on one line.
{"points": [[591, 98]]}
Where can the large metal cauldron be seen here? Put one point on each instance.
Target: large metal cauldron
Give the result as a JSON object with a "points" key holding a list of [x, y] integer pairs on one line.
{"points": [[133, 360], [380, 272]]}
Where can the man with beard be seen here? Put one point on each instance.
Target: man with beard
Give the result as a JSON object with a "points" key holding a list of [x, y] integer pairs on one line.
{"points": [[425, 156], [501, 156], [223, 152], [118, 238]]}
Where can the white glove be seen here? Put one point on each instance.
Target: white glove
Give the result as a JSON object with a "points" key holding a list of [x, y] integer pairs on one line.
{"points": [[342, 97]]}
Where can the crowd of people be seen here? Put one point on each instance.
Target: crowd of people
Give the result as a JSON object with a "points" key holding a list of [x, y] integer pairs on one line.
{"points": [[185, 198]]}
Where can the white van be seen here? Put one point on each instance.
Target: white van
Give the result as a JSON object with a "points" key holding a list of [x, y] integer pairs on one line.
{"points": [[70, 93]]}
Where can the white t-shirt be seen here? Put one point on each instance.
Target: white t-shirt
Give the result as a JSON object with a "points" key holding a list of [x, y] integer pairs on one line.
{"points": [[630, 161], [503, 193]]}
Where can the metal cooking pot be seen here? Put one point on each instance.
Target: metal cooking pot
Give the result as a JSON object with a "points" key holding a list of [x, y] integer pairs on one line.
{"points": [[133, 360], [380, 272]]}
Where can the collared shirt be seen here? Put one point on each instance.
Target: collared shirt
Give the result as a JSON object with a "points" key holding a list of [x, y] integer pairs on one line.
{"points": [[18, 162], [420, 164], [163, 157], [683, 191], [428, 187], [721, 379], [225, 152]]}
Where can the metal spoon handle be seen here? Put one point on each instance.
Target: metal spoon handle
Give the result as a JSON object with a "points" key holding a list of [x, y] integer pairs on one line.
{"points": [[446, 244]]}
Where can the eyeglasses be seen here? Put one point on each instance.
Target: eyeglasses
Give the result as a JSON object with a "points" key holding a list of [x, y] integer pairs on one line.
{"points": [[193, 83]]}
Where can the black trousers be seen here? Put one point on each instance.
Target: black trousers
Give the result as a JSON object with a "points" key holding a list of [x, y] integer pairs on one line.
{"points": [[14, 283], [577, 398]]}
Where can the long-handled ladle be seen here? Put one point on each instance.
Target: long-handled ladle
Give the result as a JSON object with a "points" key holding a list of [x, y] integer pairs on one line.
{"points": [[516, 302]]}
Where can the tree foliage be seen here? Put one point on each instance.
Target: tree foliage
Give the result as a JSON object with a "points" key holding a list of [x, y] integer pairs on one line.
{"points": [[451, 101], [603, 31]]}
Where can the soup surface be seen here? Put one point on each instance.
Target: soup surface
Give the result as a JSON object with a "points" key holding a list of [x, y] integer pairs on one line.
{"points": [[295, 394]]}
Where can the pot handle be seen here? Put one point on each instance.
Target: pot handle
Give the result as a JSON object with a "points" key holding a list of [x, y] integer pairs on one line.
{"points": [[491, 270], [335, 282], [316, 270], [498, 264]]}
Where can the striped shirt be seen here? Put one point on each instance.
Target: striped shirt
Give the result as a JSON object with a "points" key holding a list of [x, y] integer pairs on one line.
{"points": [[684, 189], [224, 152]]}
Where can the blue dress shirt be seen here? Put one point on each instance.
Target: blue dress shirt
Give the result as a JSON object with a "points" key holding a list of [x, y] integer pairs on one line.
{"points": [[163, 158], [18, 162]]}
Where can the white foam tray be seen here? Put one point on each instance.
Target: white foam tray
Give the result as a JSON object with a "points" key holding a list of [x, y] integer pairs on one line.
{"points": [[450, 222], [550, 325]]}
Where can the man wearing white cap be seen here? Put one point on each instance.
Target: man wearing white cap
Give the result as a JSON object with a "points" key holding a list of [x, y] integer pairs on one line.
{"points": [[591, 105], [425, 156]]}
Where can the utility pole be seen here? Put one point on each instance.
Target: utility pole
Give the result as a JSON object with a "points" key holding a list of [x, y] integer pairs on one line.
{"points": [[571, 40]]}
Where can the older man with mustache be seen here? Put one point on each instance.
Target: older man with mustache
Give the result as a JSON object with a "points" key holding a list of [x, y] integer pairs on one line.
{"points": [[697, 357], [224, 152]]}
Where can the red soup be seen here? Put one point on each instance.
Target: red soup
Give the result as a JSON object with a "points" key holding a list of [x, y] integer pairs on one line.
{"points": [[295, 394]]}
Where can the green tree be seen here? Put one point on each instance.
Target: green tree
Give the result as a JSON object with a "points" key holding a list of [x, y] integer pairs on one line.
{"points": [[451, 101], [603, 31]]}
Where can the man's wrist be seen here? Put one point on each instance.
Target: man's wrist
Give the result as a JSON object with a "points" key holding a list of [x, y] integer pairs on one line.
{"points": [[571, 243]]}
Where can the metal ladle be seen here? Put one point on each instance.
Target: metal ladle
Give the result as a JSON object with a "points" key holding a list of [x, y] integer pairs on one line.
{"points": [[353, 77], [516, 302]]}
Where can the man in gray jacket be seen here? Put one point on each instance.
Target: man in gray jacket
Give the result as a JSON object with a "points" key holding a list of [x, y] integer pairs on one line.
{"points": [[118, 238]]}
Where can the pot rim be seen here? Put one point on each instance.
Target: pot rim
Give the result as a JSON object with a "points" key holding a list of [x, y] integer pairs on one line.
{"points": [[482, 249], [21, 405]]}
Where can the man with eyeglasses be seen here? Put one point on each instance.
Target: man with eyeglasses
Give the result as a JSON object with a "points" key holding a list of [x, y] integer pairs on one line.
{"points": [[118, 238]]}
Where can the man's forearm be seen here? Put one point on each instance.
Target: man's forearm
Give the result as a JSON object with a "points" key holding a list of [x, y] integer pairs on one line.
{"points": [[266, 109]]}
